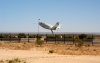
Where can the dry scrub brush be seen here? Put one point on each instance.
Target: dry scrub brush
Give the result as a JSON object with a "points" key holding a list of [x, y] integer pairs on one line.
{"points": [[15, 60]]}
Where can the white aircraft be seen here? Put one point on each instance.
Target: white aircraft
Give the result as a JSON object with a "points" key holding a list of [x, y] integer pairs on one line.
{"points": [[50, 27]]}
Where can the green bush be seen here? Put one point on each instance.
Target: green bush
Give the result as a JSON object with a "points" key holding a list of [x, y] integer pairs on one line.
{"points": [[39, 42], [51, 51], [21, 35], [16, 60], [4, 36], [50, 36], [11, 61], [90, 37], [1, 61], [39, 36], [1, 36], [68, 37], [79, 42], [82, 36], [33, 36]]}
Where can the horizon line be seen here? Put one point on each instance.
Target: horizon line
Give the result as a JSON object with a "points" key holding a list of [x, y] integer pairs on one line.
{"points": [[97, 33]]}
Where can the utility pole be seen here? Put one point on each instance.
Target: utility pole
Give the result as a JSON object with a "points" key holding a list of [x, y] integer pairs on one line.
{"points": [[38, 26], [38, 30]]}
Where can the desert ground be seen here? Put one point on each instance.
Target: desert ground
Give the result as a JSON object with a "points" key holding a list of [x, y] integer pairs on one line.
{"points": [[62, 53]]}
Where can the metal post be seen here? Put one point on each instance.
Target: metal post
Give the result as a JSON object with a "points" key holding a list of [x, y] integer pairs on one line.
{"points": [[92, 39], [1, 36], [38, 26], [10, 37], [19, 39], [46, 38], [38, 30], [64, 38], [73, 38], [37, 37], [28, 37], [55, 38]]}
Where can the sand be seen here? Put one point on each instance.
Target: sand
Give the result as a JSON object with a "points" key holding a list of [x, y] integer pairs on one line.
{"points": [[64, 53], [34, 56]]}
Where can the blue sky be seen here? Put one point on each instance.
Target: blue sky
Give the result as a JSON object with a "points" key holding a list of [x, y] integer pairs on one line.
{"points": [[74, 15]]}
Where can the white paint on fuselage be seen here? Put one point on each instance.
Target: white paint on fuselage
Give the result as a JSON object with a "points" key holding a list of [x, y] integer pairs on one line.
{"points": [[45, 25]]}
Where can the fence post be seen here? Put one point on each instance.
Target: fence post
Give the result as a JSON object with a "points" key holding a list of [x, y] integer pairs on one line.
{"points": [[92, 39], [1, 36], [64, 38], [46, 38], [28, 37], [18, 38], [37, 36], [10, 37], [55, 38], [73, 38]]}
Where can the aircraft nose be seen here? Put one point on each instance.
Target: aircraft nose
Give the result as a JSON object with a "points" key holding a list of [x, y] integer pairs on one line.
{"points": [[39, 22]]}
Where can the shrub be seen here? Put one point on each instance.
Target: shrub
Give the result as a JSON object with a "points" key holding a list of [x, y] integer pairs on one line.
{"points": [[4, 36], [82, 36], [90, 37], [32, 36], [1, 36], [51, 51], [11, 61], [16, 60], [58, 36], [68, 37], [0, 43], [1, 61], [39, 36], [50, 36], [79, 42], [39, 41], [87, 45], [21, 35]]}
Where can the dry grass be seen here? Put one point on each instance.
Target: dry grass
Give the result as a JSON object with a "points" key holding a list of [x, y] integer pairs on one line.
{"points": [[15, 60], [70, 49], [16, 46], [65, 49]]}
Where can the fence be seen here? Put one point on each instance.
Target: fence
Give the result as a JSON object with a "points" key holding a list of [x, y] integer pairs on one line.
{"points": [[66, 38], [48, 38]]}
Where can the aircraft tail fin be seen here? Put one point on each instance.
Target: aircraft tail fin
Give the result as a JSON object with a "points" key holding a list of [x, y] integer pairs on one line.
{"points": [[56, 26]]}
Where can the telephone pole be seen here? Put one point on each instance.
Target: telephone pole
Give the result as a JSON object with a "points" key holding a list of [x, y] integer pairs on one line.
{"points": [[38, 26]]}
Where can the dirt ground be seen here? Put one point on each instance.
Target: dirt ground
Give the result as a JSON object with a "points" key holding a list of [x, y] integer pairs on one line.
{"points": [[63, 53]]}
